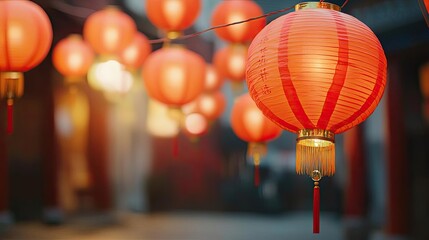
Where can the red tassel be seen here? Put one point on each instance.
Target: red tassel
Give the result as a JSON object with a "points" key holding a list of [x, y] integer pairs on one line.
{"points": [[176, 146], [316, 209], [256, 177], [9, 127]]}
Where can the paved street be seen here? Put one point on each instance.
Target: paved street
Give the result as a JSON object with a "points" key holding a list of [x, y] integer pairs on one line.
{"points": [[178, 226]]}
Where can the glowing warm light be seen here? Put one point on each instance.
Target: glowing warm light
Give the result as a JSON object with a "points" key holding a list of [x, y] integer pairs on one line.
{"points": [[159, 123], [196, 124], [110, 76], [211, 105]]}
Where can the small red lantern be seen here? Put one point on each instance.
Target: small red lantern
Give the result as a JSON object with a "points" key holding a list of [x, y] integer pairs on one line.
{"points": [[250, 125], [26, 39], [210, 105], [133, 56], [174, 75], [235, 11], [172, 15], [213, 80], [230, 62], [316, 80], [72, 57], [109, 31], [195, 125]]}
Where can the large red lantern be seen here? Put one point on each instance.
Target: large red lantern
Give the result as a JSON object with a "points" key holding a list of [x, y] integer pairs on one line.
{"points": [[26, 39], [174, 75], [250, 125], [316, 72], [72, 57], [136, 52], [109, 31], [172, 16], [235, 11]]}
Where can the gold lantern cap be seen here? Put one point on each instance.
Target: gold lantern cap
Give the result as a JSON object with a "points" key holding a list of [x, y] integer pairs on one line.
{"points": [[312, 5]]}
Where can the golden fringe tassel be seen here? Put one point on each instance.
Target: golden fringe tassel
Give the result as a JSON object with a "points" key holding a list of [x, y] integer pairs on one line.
{"points": [[315, 154]]}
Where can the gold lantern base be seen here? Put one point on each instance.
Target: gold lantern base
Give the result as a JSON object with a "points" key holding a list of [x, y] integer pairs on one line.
{"points": [[256, 150], [315, 150], [11, 84]]}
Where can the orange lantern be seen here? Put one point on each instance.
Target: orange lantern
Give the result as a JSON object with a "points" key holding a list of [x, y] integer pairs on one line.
{"points": [[172, 16], [109, 31], [213, 80], [174, 75], [316, 72], [250, 125], [136, 52], [230, 62], [235, 11], [195, 125], [26, 38], [210, 105], [72, 57]]}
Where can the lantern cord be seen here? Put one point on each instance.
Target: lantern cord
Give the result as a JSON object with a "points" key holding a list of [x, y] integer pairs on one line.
{"points": [[344, 4], [161, 40], [9, 127], [316, 208], [256, 173], [176, 147]]}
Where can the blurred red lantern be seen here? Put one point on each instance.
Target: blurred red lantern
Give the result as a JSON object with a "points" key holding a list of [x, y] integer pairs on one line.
{"points": [[109, 31], [174, 75], [26, 39], [210, 105], [172, 15], [250, 125], [195, 125], [72, 57], [136, 52], [230, 62], [213, 80], [235, 11], [316, 80]]}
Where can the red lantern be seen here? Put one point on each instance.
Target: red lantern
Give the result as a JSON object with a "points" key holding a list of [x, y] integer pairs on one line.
{"points": [[109, 31], [250, 125], [172, 15], [210, 105], [72, 57], [174, 75], [230, 62], [136, 52], [26, 38], [195, 125], [316, 72], [235, 11], [213, 80]]}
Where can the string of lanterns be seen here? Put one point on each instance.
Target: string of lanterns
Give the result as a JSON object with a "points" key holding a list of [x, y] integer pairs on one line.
{"points": [[315, 72]]}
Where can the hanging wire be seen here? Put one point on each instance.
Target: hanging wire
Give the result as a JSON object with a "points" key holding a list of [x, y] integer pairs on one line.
{"points": [[344, 4], [161, 40]]}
